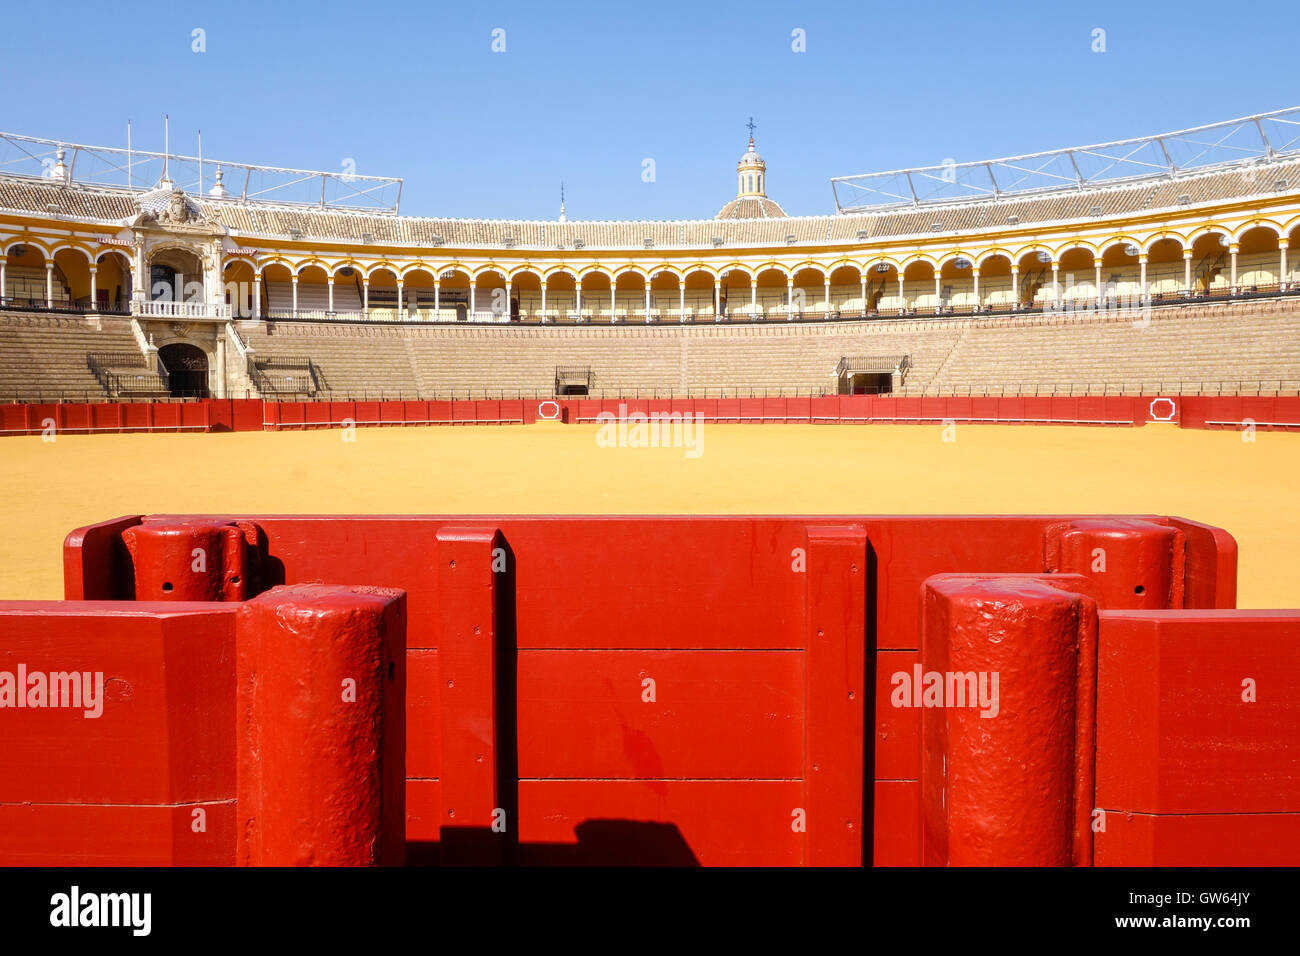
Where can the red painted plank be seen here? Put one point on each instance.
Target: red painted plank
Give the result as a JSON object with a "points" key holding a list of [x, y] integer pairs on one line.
{"points": [[144, 661], [89, 835], [1202, 839], [588, 714], [1174, 732], [467, 663], [835, 686]]}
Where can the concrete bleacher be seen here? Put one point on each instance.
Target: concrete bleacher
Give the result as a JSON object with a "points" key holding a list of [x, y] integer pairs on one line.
{"points": [[1179, 350], [1242, 347], [44, 356]]}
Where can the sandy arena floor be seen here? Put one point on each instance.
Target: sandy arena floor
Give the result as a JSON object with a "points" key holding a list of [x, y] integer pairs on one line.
{"points": [[1250, 489]]}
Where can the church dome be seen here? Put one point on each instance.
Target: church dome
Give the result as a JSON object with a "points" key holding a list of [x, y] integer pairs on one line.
{"points": [[751, 200]]}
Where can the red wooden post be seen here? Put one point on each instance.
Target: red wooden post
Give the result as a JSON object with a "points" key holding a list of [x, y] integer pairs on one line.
{"points": [[472, 826], [835, 636], [321, 688], [192, 560], [1006, 778], [1137, 563]]}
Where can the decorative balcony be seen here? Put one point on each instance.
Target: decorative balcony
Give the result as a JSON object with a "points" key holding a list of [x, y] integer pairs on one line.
{"points": [[167, 309]]}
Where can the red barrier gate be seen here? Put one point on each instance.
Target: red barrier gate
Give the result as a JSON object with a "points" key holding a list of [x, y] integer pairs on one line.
{"points": [[695, 689]]}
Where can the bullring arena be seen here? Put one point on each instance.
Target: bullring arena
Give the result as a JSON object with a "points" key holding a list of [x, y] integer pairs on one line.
{"points": [[1107, 337]]}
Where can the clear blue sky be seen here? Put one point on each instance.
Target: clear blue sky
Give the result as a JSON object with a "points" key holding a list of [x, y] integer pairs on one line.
{"points": [[584, 92]]}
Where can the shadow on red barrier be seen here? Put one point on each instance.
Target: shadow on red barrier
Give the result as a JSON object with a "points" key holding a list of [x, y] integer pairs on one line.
{"points": [[600, 843]]}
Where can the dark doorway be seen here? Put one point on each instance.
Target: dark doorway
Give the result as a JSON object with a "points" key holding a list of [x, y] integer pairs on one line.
{"points": [[866, 383], [187, 370], [164, 284]]}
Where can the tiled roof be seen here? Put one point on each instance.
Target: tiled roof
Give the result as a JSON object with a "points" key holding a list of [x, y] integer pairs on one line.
{"points": [[284, 221]]}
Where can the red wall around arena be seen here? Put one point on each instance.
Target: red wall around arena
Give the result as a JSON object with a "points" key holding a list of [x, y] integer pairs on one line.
{"points": [[1264, 413]]}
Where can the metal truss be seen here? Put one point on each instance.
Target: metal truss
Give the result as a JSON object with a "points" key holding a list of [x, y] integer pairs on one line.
{"points": [[140, 170], [1251, 139]]}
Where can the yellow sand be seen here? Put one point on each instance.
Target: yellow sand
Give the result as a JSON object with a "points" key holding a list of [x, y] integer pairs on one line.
{"points": [[1215, 477]]}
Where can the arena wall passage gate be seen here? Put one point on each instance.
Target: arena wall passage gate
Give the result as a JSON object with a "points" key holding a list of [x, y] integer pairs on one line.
{"points": [[714, 690]]}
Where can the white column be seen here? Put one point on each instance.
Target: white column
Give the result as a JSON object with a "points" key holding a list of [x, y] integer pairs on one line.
{"points": [[577, 295], [717, 300], [789, 299], [94, 291], [257, 295], [1232, 252], [49, 284], [399, 297], [1015, 286], [902, 303], [294, 282], [975, 277], [140, 280], [827, 283], [864, 293], [472, 297], [365, 296], [329, 284], [938, 292], [507, 315], [543, 298], [1142, 277], [647, 301], [1056, 285], [1187, 271], [436, 283], [1282, 246], [4, 288], [753, 296], [681, 300], [221, 363], [1101, 293]]}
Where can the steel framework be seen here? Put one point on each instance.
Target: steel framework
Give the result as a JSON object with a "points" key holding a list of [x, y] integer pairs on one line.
{"points": [[141, 170], [1263, 137]]}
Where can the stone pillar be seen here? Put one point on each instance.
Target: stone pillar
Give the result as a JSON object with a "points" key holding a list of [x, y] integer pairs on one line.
{"points": [[902, 302], [294, 282], [717, 300], [257, 295], [975, 276], [94, 290], [437, 283], [1101, 293], [1187, 272], [681, 300], [4, 286], [1282, 247], [1015, 286], [863, 280], [543, 298], [1056, 285], [647, 301], [577, 291], [399, 297], [1142, 277], [329, 285], [365, 296], [507, 318], [49, 284], [827, 284], [1232, 253], [938, 292]]}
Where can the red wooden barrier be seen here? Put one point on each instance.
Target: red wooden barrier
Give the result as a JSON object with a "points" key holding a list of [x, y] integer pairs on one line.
{"points": [[255, 415], [610, 659], [124, 744]]}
